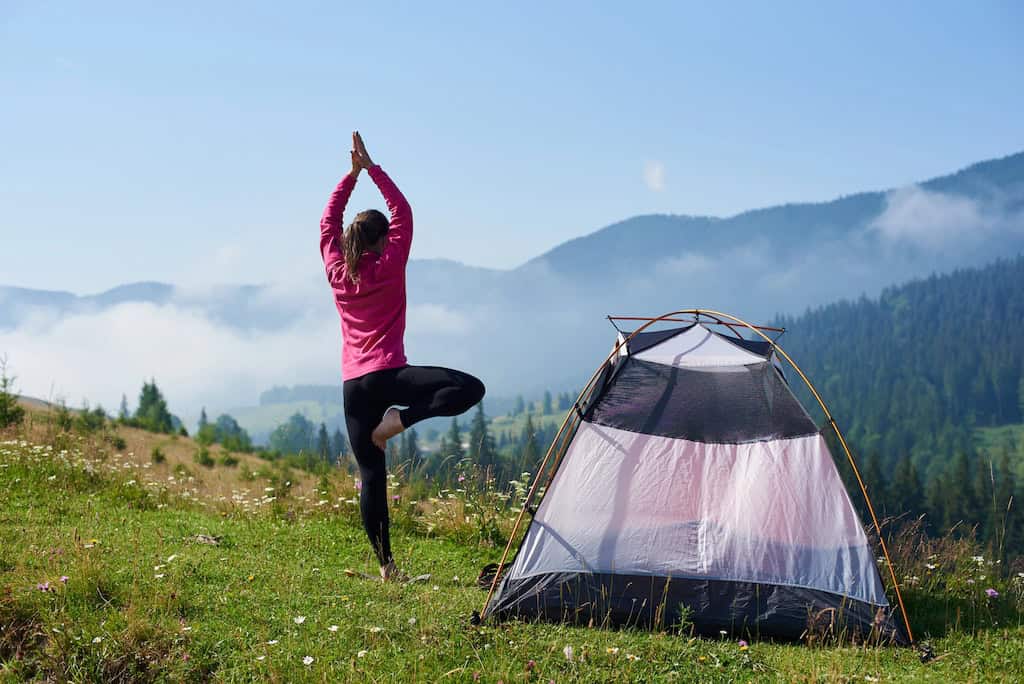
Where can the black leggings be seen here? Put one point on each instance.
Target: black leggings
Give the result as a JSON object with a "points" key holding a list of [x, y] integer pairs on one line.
{"points": [[427, 391]]}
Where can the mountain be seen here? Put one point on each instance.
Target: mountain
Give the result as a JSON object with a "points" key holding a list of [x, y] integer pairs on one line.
{"points": [[996, 184], [541, 325]]}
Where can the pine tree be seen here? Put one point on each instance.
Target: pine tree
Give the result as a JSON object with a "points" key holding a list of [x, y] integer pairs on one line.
{"points": [[122, 413], [482, 449], [959, 494], [546, 406], [323, 444], [152, 413], [939, 511], [11, 412], [1007, 525], [455, 449], [295, 435], [529, 452], [411, 454], [520, 406], [477, 433], [983, 495], [392, 455], [905, 490], [875, 483], [206, 434], [339, 447]]}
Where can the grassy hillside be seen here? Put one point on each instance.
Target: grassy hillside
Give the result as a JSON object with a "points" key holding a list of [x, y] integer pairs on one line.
{"points": [[107, 574], [514, 425], [994, 441]]}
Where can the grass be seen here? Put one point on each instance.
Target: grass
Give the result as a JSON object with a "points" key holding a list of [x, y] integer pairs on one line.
{"points": [[147, 599]]}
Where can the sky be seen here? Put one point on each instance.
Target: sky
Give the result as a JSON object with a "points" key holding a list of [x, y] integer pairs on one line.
{"points": [[196, 143]]}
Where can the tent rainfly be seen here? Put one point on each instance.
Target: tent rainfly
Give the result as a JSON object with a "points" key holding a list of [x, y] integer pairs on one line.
{"points": [[688, 483]]}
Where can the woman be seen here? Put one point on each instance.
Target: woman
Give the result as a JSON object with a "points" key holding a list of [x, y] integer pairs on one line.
{"points": [[366, 270]]}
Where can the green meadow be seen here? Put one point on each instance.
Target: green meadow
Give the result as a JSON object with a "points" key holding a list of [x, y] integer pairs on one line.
{"points": [[118, 568]]}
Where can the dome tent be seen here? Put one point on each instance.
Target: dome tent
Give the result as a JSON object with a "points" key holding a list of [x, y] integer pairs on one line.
{"points": [[688, 482]]}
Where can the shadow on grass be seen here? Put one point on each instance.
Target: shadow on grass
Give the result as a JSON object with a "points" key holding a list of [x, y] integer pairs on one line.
{"points": [[938, 616]]}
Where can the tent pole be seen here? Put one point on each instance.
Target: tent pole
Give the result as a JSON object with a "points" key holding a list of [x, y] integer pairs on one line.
{"points": [[684, 320]]}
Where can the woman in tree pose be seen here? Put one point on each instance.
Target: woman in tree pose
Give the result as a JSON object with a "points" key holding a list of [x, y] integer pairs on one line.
{"points": [[366, 270]]}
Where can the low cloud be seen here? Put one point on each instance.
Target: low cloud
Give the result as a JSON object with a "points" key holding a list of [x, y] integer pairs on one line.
{"points": [[687, 264], [654, 175], [427, 319], [932, 220], [196, 361]]}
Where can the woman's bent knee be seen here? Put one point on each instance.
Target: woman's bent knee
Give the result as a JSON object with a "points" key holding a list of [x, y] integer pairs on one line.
{"points": [[474, 391]]}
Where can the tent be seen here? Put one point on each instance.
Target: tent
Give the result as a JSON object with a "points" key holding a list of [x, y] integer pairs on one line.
{"points": [[689, 483]]}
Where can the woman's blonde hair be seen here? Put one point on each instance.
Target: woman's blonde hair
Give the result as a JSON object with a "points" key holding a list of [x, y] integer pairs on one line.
{"points": [[365, 231]]}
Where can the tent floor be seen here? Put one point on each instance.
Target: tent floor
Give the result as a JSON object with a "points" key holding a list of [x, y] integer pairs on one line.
{"points": [[747, 609]]}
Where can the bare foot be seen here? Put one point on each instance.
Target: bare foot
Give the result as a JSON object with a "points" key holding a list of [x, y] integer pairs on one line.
{"points": [[390, 425]]}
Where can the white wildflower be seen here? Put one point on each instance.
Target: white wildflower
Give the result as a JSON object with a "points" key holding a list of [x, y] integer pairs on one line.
{"points": [[568, 653], [308, 660], [299, 620]]}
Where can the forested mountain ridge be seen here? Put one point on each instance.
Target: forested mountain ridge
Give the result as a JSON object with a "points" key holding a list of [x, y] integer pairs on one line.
{"points": [[916, 370], [996, 182]]}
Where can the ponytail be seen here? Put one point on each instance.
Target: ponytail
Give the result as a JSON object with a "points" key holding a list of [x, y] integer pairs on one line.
{"points": [[365, 231]]}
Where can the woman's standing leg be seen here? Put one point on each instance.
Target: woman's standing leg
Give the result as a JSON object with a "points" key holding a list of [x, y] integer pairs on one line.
{"points": [[362, 413]]}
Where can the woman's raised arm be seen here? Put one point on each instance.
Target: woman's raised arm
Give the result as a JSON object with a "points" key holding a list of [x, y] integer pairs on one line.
{"points": [[332, 223], [400, 229]]}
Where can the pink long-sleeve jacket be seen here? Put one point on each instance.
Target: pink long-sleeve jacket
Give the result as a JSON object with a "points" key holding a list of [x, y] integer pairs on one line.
{"points": [[373, 310]]}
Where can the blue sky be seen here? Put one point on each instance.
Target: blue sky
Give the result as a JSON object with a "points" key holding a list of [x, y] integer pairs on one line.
{"points": [[197, 143]]}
